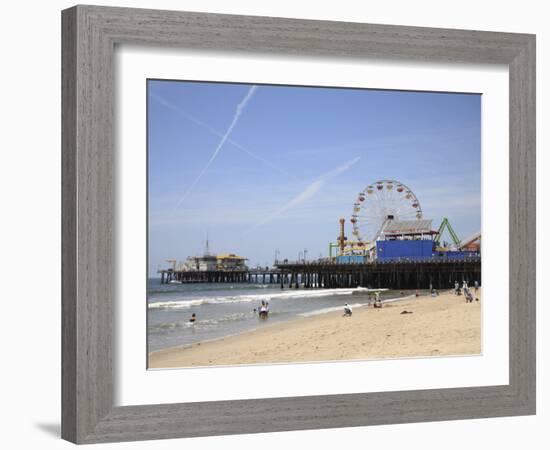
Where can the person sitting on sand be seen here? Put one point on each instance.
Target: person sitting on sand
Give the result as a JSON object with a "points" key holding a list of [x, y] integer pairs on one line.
{"points": [[193, 318], [347, 310]]}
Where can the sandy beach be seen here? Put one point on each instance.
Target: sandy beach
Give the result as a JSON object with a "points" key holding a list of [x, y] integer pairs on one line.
{"points": [[444, 325]]}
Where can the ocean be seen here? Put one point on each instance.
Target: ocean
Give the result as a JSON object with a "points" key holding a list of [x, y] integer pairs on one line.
{"points": [[228, 309]]}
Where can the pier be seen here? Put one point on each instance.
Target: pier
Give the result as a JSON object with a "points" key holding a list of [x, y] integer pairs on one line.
{"points": [[268, 276], [439, 273]]}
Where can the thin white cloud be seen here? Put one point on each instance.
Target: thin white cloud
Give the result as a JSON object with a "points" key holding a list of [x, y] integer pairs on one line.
{"points": [[215, 132], [238, 112], [311, 190]]}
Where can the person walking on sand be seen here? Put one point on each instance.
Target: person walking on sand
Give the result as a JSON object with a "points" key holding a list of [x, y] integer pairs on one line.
{"points": [[377, 302], [456, 287], [347, 310]]}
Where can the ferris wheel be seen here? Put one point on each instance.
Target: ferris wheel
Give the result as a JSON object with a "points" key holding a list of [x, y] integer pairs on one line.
{"points": [[379, 203]]}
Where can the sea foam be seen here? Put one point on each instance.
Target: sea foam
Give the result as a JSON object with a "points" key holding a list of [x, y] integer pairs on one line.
{"points": [[188, 303]]}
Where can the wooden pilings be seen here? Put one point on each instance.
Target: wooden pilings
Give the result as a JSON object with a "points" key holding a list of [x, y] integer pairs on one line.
{"points": [[399, 275], [219, 276], [266, 277]]}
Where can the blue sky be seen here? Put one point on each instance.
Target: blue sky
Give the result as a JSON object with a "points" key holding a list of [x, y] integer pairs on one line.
{"points": [[274, 167]]}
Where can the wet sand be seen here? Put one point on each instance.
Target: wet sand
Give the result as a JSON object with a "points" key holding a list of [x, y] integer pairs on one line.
{"points": [[444, 325]]}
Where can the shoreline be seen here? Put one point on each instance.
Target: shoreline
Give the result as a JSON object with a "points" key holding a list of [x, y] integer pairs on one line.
{"points": [[300, 316], [443, 326]]}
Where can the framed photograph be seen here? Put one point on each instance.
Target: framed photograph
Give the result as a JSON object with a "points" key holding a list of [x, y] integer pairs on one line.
{"points": [[273, 293], [268, 222]]}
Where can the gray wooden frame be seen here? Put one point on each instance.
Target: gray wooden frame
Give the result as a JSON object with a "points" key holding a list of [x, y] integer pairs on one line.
{"points": [[89, 36]]}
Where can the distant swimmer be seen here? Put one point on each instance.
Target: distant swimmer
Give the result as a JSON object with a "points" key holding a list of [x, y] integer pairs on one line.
{"points": [[193, 318], [347, 310]]}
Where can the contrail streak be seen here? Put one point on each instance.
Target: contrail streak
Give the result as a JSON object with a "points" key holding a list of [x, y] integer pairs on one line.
{"points": [[312, 189], [215, 132], [238, 112]]}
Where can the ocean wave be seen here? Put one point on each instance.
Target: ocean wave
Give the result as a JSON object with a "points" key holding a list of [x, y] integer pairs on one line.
{"points": [[201, 323], [176, 304], [247, 298], [169, 326], [177, 287]]}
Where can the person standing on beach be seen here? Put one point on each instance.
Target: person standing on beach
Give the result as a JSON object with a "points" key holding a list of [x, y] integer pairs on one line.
{"points": [[377, 302], [468, 295], [264, 310]]}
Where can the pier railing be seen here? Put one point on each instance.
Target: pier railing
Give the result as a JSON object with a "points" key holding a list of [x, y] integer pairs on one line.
{"points": [[402, 259]]}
